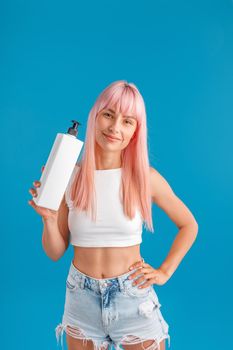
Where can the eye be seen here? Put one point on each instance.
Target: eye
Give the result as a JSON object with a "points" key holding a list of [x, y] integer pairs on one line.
{"points": [[129, 122], [107, 114]]}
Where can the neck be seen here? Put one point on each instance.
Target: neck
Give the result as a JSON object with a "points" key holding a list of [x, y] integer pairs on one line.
{"points": [[107, 163]]}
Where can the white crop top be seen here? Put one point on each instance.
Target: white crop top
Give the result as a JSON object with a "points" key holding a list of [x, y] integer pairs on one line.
{"points": [[112, 228]]}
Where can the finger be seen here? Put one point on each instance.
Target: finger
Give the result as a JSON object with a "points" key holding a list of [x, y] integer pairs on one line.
{"points": [[139, 280], [145, 273], [153, 275], [146, 284], [137, 264], [139, 272], [37, 183], [33, 192], [32, 203], [42, 168]]}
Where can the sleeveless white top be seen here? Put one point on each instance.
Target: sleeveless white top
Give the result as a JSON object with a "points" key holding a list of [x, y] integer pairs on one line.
{"points": [[112, 228]]}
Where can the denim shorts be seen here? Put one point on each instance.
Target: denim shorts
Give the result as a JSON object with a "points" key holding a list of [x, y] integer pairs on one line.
{"points": [[111, 312]]}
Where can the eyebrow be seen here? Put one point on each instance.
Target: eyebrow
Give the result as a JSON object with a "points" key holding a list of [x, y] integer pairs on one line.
{"points": [[123, 116]]}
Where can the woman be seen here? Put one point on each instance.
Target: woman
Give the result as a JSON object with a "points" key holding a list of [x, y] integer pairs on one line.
{"points": [[108, 198]]}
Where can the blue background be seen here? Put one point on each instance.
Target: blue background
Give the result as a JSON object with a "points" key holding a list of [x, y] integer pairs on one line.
{"points": [[56, 57]]}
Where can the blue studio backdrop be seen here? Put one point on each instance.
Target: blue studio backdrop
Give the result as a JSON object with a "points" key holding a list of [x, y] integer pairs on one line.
{"points": [[55, 59]]}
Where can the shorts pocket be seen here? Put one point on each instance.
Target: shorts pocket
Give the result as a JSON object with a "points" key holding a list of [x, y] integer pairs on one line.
{"points": [[71, 283], [134, 291]]}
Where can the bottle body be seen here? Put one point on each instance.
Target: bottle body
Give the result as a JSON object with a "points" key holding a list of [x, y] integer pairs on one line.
{"points": [[58, 170]]}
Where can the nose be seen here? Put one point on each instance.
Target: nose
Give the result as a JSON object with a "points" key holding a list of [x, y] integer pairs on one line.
{"points": [[115, 127]]}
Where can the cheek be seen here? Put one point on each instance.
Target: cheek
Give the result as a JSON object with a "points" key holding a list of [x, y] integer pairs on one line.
{"points": [[100, 126], [103, 125], [129, 135]]}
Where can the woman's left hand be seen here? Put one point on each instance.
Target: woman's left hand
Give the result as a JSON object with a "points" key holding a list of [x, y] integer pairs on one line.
{"points": [[150, 275]]}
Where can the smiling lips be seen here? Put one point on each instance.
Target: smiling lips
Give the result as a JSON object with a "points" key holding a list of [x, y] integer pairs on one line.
{"points": [[111, 138]]}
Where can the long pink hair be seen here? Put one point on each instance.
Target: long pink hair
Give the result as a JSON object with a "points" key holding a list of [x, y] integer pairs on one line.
{"points": [[135, 181]]}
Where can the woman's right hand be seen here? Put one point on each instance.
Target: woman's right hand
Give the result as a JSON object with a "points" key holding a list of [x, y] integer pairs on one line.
{"points": [[47, 214]]}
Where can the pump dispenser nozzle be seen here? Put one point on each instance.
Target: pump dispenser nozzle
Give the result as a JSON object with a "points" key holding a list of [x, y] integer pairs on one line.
{"points": [[74, 129]]}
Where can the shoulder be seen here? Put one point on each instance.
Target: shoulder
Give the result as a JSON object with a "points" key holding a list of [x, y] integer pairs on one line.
{"points": [[159, 185], [164, 196], [154, 174]]}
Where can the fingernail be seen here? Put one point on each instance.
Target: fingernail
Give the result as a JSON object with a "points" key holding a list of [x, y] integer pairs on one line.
{"points": [[131, 268], [29, 202]]}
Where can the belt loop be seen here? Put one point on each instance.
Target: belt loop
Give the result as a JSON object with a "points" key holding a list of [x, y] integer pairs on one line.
{"points": [[121, 285], [81, 281]]}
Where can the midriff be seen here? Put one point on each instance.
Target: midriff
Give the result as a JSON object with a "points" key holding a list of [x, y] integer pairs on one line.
{"points": [[105, 262]]}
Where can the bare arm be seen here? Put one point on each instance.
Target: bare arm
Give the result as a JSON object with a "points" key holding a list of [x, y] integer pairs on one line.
{"points": [[55, 237], [180, 246], [166, 199]]}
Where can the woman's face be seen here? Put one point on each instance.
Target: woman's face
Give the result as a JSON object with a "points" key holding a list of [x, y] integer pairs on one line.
{"points": [[118, 126]]}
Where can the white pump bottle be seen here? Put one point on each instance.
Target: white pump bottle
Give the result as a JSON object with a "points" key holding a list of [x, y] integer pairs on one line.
{"points": [[58, 169]]}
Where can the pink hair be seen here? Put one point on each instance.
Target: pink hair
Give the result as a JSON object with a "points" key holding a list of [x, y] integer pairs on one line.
{"points": [[135, 181]]}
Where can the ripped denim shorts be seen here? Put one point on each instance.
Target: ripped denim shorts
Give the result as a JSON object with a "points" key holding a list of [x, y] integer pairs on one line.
{"points": [[111, 312]]}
